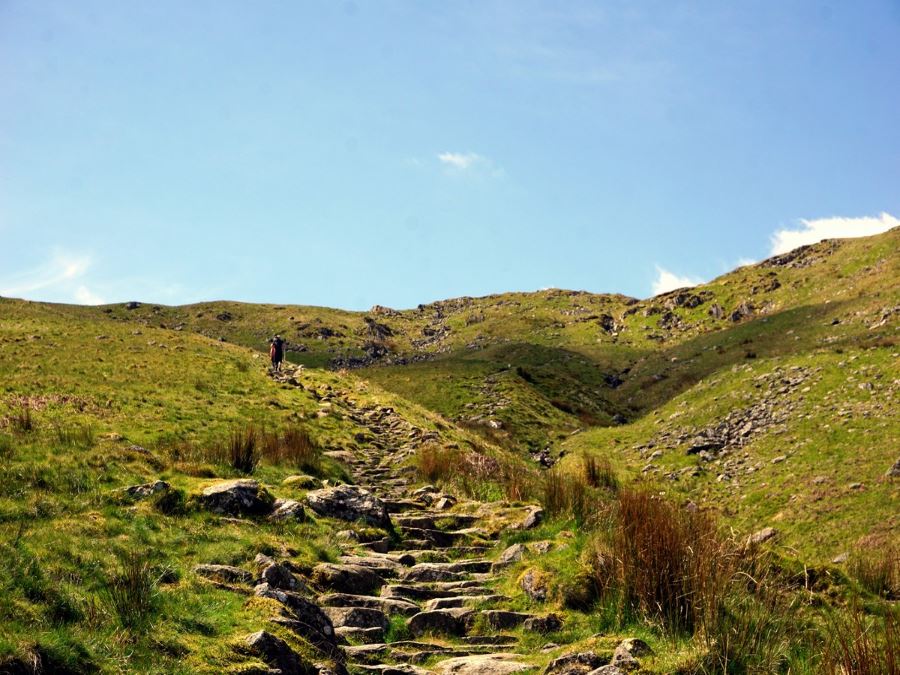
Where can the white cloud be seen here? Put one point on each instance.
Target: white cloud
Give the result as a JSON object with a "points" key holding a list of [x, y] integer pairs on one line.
{"points": [[460, 160], [668, 281], [471, 163], [815, 230], [59, 279]]}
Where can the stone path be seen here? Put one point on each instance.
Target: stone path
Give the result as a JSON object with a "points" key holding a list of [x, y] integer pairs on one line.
{"points": [[431, 581]]}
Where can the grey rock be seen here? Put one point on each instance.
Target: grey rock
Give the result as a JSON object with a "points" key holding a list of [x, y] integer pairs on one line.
{"points": [[763, 535], [352, 579], [348, 502], [482, 664], [543, 624], [501, 619], [626, 655], [304, 617], [146, 489], [534, 586], [510, 555], [277, 653], [894, 471], [225, 574], [577, 663], [278, 575], [440, 622], [288, 510], [357, 617], [237, 498]]}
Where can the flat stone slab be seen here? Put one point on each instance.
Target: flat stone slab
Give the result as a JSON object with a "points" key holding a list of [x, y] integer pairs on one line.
{"points": [[482, 664], [348, 502]]}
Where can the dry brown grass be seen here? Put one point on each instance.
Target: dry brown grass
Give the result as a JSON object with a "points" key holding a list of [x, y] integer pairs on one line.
{"points": [[863, 645], [878, 570]]}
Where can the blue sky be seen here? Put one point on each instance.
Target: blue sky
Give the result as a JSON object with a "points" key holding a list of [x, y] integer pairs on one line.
{"points": [[353, 153]]}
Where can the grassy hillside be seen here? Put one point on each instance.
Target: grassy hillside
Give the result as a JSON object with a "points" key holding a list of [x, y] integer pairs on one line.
{"points": [[88, 407], [768, 396]]}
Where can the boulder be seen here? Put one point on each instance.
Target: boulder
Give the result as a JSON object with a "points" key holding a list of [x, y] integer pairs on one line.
{"points": [[348, 502], [146, 489], [357, 617], [534, 583], [288, 510], [509, 556], [352, 579], [577, 663], [625, 656], [543, 624], [440, 622], [482, 664], [762, 535], [386, 605], [501, 619], [225, 574], [894, 471], [534, 518], [239, 497], [278, 575], [303, 617], [276, 653]]}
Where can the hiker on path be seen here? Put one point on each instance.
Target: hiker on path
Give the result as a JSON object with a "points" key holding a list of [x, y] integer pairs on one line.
{"points": [[276, 352]]}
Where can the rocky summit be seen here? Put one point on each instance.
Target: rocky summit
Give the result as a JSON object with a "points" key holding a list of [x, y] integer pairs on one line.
{"points": [[558, 482]]}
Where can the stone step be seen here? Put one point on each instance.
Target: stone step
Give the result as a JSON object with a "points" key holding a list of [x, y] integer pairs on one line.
{"points": [[469, 601], [445, 622], [386, 605], [450, 571], [356, 617], [399, 505], [392, 669], [495, 640]]}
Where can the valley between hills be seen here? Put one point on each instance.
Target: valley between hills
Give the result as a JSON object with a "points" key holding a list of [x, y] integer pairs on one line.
{"points": [[560, 482]]}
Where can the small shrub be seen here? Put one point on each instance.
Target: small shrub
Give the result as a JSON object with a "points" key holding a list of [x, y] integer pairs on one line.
{"points": [[670, 563], [22, 421], [599, 473], [568, 494], [81, 435], [242, 449], [751, 633], [878, 571], [297, 449], [132, 591], [436, 463], [863, 645], [170, 502], [6, 446]]}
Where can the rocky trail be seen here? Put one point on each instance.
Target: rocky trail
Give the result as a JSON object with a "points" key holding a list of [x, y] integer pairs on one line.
{"points": [[414, 590]]}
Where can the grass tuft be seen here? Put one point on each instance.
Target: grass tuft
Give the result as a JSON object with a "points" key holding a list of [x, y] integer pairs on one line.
{"points": [[878, 571], [863, 645], [132, 591]]}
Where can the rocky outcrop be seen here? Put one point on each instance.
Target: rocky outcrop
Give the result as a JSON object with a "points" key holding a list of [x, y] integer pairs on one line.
{"points": [[482, 664], [242, 497], [225, 574], [348, 502], [353, 579], [277, 653]]}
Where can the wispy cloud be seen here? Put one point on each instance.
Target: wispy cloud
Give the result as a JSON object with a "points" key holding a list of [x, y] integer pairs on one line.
{"points": [[461, 160], [815, 230], [60, 278], [668, 281], [469, 162]]}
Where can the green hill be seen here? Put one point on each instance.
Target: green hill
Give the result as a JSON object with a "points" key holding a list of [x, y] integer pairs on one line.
{"points": [[768, 397]]}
